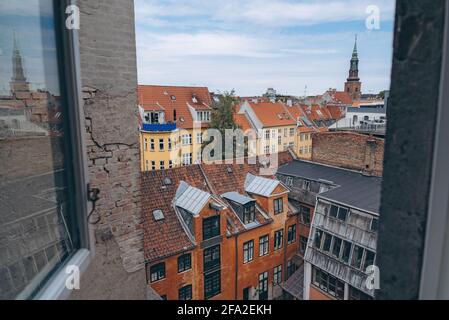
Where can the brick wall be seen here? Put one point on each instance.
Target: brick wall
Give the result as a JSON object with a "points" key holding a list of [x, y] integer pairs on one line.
{"points": [[349, 150], [109, 79]]}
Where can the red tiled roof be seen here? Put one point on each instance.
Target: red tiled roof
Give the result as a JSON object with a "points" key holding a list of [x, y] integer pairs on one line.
{"points": [[242, 121], [272, 114], [167, 237], [151, 97]]}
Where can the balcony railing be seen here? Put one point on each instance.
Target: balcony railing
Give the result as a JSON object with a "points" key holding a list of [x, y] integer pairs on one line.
{"points": [[159, 127]]}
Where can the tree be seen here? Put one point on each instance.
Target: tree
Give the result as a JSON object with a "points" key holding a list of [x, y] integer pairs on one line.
{"points": [[223, 116]]}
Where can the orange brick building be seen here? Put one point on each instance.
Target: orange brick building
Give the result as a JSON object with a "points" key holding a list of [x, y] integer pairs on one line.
{"points": [[218, 232]]}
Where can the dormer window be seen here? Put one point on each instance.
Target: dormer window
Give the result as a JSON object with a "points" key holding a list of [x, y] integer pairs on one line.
{"points": [[154, 117], [249, 213], [203, 116], [194, 99]]}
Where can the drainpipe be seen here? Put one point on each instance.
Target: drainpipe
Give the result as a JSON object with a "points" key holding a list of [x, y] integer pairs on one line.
{"points": [[236, 265]]}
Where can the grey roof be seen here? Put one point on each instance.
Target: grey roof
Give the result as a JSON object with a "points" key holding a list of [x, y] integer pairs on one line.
{"points": [[295, 284], [237, 197], [259, 185], [190, 198], [354, 189], [366, 110]]}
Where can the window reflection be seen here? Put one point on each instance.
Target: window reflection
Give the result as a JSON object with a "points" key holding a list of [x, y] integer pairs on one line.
{"points": [[34, 220]]}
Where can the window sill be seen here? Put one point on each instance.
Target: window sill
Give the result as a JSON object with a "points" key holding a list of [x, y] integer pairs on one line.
{"points": [[56, 288]]}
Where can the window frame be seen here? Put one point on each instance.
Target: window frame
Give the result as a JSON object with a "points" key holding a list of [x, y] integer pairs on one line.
{"points": [[67, 47], [248, 251], [182, 258]]}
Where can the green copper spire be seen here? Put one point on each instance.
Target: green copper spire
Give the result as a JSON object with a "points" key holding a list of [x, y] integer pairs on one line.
{"points": [[354, 52]]}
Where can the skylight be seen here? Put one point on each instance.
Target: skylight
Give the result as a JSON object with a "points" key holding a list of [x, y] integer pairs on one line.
{"points": [[158, 215]]}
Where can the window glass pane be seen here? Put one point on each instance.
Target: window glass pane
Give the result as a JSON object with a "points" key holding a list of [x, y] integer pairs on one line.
{"points": [[35, 213]]}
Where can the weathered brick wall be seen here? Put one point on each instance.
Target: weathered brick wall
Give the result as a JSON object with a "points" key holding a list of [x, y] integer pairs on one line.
{"points": [[109, 79], [349, 150]]}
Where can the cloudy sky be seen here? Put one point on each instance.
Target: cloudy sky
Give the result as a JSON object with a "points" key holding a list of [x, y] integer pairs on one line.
{"points": [[250, 45]]}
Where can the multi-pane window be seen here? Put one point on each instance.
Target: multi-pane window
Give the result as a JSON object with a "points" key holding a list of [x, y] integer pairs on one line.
{"points": [[161, 145], [212, 284], [304, 215], [185, 293], [157, 272], [186, 159], [374, 226], [184, 262], [336, 247], [145, 144], [249, 213], [186, 139], [328, 283], [277, 275], [248, 251], [162, 165], [273, 149], [357, 256], [267, 150], [267, 134], [211, 227], [263, 286], [291, 268], [153, 165], [291, 235], [278, 239], [302, 136], [203, 116], [306, 185], [346, 251], [147, 165], [289, 181], [170, 164], [292, 132], [264, 245], [317, 239], [169, 144], [152, 147], [279, 140], [327, 242], [199, 138], [355, 294], [369, 259], [340, 213], [211, 258], [302, 244], [278, 205]]}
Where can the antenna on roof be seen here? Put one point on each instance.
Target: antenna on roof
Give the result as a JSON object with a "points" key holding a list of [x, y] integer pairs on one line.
{"points": [[305, 91]]}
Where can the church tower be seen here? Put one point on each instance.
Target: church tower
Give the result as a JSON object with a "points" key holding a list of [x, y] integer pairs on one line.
{"points": [[18, 80], [353, 86]]}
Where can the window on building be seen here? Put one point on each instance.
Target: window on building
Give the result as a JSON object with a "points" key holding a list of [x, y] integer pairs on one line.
{"points": [[279, 140], [267, 134], [278, 239], [304, 215], [267, 150], [273, 149], [161, 145], [357, 256], [263, 286], [306, 185], [302, 244], [336, 247], [263, 245], [246, 292], [340, 213], [169, 143], [184, 262], [153, 165], [346, 251], [199, 138], [285, 133], [211, 227], [152, 147], [291, 145], [317, 239], [211, 258], [186, 159], [292, 132], [289, 181], [374, 226], [327, 242], [277, 275], [291, 268], [145, 144], [162, 165], [147, 165], [157, 272], [186, 139], [328, 283], [248, 251], [249, 213], [212, 284], [291, 235], [302, 137], [170, 164], [185, 293], [278, 205], [369, 259], [203, 116], [273, 133]]}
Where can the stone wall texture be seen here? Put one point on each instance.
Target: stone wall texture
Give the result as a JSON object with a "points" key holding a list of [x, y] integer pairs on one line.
{"points": [[109, 79], [349, 150]]}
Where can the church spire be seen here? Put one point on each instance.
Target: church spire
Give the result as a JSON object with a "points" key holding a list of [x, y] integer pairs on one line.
{"points": [[18, 80], [354, 52], [353, 85]]}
